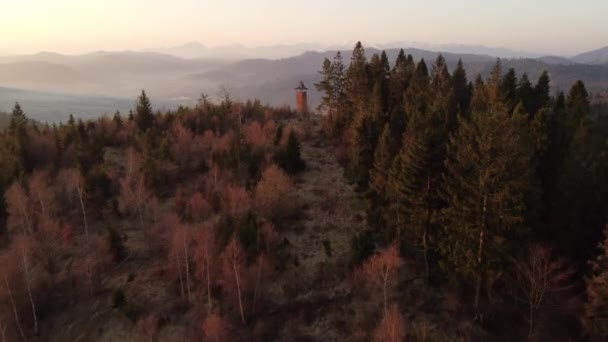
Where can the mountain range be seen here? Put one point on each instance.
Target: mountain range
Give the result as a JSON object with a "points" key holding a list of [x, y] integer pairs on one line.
{"points": [[52, 85]]}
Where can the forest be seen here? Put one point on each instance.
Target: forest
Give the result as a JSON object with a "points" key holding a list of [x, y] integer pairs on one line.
{"points": [[414, 204]]}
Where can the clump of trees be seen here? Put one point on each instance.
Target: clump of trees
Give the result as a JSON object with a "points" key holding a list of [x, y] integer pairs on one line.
{"points": [[463, 176], [194, 193]]}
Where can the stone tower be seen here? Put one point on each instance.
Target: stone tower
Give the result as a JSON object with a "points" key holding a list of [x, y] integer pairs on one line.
{"points": [[301, 99]]}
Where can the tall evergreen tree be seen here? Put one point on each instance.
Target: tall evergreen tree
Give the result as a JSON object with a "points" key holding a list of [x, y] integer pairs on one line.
{"points": [[417, 97], [479, 100], [461, 88], [145, 116], [525, 92], [508, 90], [357, 82], [19, 142], [487, 178], [414, 184], [541, 93], [364, 135], [326, 88]]}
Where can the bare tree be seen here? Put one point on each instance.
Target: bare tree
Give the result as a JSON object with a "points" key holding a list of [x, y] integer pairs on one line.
{"points": [[75, 183], [543, 283], [391, 328], [203, 255], [18, 208], [14, 306], [378, 269], [23, 243], [234, 259]]}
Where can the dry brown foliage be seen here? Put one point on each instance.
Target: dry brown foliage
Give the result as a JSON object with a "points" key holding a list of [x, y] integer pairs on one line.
{"points": [[391, 328]]}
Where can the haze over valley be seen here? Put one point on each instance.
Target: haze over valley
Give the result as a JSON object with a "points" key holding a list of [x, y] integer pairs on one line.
{"points": [[49, 84]]}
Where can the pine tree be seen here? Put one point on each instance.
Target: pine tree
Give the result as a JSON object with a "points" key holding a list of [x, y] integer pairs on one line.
{"points": [[383, 158], [525, 92], [378, 176], [541, 93], [417, 96], [479, 100], [401, 74], [493, 88], [443, 103], [19, 141], [289, 158], [460, 89], [414, 183], [117, 119], [487, 179], [144, 117], [508, 90], [357, 82], [363, 137], [577, 103], [325, 87]]}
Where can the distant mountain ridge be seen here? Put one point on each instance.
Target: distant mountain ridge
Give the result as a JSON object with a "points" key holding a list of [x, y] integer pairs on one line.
{"points": [[171, 80], [599, 56]]}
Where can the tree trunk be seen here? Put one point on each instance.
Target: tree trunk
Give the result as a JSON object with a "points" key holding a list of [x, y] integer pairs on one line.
{"points": [[3, 332], [26, 217], [531, 323], [29, 291], [238, 289], [257, 284], [427, 227], [208, 276], [426, 258], [84, 212], [181, 280], [187, 268], [17, 321], [480, 248], [385, 278]]}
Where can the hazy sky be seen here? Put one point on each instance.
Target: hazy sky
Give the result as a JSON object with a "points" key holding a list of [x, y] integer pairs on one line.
{"points": [[75, 26]]}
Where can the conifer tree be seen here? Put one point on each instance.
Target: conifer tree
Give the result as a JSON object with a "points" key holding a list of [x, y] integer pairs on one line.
{"points": [[19, 141], [508, 90], [487, 179], [577, 103], [541, 93], [479, 99], [417, 96], [289, 158], [414, 183], [325, 87], [378, 176], [357, 82], [363, 138], [383, 158], [144, 117], [525, 92], [493, 89], [400, 77], [461, 89]]}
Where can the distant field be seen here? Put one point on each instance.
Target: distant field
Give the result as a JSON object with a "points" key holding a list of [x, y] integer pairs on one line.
{"points": [[55, 107]]}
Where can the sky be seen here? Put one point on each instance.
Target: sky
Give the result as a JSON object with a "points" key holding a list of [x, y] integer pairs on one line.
{"points": [[556, 27]]}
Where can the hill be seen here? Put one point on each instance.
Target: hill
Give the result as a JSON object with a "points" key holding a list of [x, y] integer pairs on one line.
{"points": [[169, 79], [599, 56]]}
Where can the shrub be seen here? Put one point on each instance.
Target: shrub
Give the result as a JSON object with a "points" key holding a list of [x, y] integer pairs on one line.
{"points": [[289, 158]]}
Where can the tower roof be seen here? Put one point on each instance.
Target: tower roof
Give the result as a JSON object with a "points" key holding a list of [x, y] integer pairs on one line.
{"points": [[301, 86]]}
